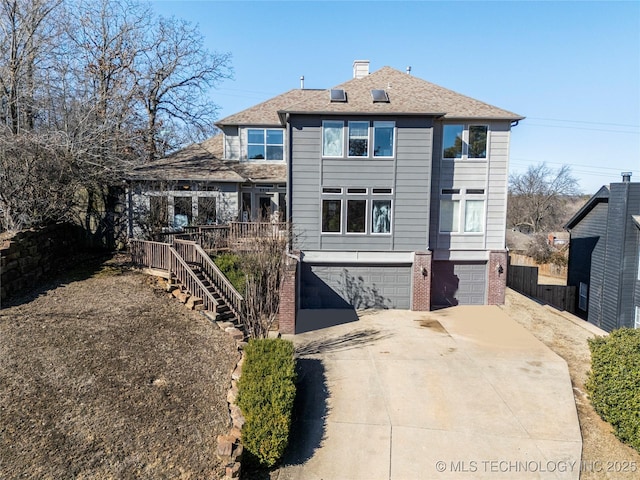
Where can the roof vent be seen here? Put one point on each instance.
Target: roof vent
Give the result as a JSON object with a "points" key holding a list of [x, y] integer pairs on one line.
{"points": [[360, 68], [379, 96], [626, 177], [409, 70], [337, 95]]}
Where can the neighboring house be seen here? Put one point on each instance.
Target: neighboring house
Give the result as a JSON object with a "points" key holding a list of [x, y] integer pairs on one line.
{"points": [[604, 256], [396, 188]]}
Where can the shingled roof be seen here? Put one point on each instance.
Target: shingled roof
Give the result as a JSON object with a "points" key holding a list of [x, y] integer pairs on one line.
{"points": [[203, 162], [408, 95], [266, 113]]}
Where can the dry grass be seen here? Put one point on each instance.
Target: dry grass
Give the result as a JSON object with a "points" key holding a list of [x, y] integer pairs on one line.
{"points": [[103, 376]]}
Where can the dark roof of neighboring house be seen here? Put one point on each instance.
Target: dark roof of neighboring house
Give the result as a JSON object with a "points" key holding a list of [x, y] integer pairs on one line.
{"points": [[601, 195], [203, 162], [408, 95]]}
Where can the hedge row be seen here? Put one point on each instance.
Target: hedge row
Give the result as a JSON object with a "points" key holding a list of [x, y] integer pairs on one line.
{"points": [[614, 382], [266, 392]]}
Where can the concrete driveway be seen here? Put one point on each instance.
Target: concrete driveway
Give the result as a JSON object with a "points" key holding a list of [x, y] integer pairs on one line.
{"points": [[464, 392]]}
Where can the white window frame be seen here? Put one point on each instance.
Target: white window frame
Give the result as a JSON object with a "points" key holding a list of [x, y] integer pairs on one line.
{"points": [[636, 323], [368, 138], [583, 293], [381, 198], [455, 201], [330, 197], [461, 196], [266, 145], [352, 198], [325, 125], [384, 124], [464, 155]]}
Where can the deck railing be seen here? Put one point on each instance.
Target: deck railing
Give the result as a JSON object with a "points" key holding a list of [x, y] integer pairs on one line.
{"points": [[151, 254], [179, 259], [187, 277], [244, 230]]}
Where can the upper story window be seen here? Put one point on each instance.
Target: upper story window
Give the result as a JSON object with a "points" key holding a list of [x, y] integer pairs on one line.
{"points": [[265, 144], [358, 139], [464, 141], [332, 138], [383, 139]]}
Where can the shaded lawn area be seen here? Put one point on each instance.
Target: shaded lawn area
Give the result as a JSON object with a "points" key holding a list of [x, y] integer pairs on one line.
{"points": [[104, 376]]}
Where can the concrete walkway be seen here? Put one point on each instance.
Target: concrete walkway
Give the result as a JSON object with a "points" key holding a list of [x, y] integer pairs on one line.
{"points": [[464, 392]]}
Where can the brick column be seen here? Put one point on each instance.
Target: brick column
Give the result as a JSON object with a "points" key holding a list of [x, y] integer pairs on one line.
{"points": [[421, 295], [497, 273], [288, 298]]}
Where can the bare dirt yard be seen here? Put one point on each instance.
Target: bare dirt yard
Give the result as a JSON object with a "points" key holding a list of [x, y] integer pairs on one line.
{"points": [[103, 376], [603, 455]]}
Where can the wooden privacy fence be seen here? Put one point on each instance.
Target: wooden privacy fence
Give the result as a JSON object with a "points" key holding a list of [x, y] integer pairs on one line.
{"points": [[524, 279], [546, 269]]}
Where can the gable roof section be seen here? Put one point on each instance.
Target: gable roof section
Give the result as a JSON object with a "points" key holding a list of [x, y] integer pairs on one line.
{"points": [[266, 113], [407, 95], [601, 195], [203, 162]]}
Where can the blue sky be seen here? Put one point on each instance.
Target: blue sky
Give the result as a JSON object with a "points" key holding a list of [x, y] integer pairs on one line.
{"points": [[572, 68]]}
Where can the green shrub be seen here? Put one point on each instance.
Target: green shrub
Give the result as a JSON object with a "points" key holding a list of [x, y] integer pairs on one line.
{"points": [[614, 382], [230, 265], [266, 392]]}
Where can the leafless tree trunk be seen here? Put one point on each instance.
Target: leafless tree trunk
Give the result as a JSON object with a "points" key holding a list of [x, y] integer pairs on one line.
{"points": [[537, 198], [173, 74]]}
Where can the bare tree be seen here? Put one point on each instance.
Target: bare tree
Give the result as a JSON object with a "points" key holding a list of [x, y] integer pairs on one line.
{"points": [[26, 34], [92, 87], [263, 265], [174, 73], [537, 198]]}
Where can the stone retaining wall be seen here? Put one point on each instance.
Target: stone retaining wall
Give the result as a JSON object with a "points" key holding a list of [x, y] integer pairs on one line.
{"points": [[27, 257]]}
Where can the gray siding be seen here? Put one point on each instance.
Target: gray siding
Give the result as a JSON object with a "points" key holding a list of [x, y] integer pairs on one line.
{"points": [[231, 143], [587, 259], [408, 174], [490, 174], [630, 256], [614, 275]]}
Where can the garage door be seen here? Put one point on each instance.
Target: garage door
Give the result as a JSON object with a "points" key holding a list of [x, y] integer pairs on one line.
{"points": [[458, 283], [360, 286]]}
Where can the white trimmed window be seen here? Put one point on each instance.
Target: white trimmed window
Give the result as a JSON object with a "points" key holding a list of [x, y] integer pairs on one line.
{"points": [[464, 141], [357, 210], [265, 144], [332, 138], [462, 211], [636, 324], [358, 139], [383, 139], [583, 292]]}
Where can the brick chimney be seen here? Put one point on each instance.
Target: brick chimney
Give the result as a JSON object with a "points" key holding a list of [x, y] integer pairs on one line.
{"points": [[360, 68]]}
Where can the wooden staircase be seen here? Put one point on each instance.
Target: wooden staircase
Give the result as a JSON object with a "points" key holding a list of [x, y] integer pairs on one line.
{"points": [[188, 266]]}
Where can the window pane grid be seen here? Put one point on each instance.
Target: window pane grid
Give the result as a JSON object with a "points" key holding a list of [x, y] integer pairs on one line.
{"points": [[265, 144]]}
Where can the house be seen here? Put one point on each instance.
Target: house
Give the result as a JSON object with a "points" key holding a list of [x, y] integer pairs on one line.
{"points": [[396, 189], [604, 256]]}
